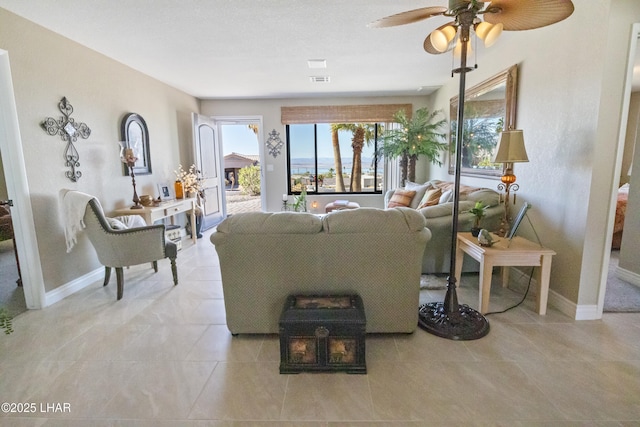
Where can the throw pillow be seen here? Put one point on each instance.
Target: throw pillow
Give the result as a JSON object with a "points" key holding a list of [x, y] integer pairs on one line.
{"points": [[116, 224], [401, 198], [430, 198], [447, 196], [420, 189]]}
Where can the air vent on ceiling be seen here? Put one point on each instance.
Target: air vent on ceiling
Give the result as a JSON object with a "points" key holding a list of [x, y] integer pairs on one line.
{"points": [[320, 79], [317, 63]]}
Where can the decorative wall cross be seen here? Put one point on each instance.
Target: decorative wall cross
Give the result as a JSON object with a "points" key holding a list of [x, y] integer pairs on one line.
{"points": [[69, 131], [274, 143]]}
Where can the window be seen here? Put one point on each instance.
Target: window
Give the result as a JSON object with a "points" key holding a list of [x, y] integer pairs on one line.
{"points": [[321, 158]]}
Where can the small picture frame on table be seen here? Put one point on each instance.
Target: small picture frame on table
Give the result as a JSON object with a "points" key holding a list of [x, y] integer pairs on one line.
{"points": [[166, 192]]}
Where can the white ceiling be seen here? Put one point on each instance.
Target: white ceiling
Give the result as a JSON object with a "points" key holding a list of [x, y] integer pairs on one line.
{"points": [[255, 48]]}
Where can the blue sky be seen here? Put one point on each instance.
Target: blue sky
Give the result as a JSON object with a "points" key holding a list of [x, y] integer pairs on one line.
{"points": [[242, 140], [239, 139]]}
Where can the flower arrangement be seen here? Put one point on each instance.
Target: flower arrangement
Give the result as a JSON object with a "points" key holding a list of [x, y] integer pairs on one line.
{"points": [[191, 181]]}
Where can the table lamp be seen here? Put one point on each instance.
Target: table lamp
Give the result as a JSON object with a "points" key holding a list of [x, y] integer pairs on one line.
{"points": [[510, 150]]}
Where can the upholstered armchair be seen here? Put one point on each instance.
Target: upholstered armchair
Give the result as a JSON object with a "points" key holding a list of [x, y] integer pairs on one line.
{"points": [[118, 248]]}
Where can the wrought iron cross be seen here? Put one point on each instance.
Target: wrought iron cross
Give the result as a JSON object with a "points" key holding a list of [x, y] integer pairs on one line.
{"points": [[274, 143], [69, 130]]}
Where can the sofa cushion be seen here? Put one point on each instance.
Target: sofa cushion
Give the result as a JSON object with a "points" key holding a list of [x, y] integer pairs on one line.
{"points": [[445, 209], [465, 190], [420, 189], [401, 198], [372, 220], [430, 198], [486, 196], [270, 223]]}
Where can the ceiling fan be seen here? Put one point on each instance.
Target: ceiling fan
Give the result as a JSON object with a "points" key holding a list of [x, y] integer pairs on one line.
{"points": [[484, 16], [449, 319]]}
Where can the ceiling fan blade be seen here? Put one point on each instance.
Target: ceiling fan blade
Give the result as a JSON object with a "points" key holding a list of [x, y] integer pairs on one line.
{"points": [[408, 17], [527, 14], [428, 44]]}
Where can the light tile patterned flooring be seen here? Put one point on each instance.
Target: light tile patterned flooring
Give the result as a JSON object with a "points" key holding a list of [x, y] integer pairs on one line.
{"points": [[162, 356]]}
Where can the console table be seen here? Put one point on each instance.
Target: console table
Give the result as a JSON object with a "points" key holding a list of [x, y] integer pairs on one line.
{"points": [[165, 210], [518, 252]]}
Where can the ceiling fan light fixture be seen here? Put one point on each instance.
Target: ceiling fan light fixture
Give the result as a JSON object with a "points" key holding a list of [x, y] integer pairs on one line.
{"points": [[482, 29], [439, 41], [493, 35], [457, 50]]}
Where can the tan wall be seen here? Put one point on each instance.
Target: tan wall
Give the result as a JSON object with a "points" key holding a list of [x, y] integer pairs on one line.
{"points": [[570, 132], [631, 136], [45, 67]]}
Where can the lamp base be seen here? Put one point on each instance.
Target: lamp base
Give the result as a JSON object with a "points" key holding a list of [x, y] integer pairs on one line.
{"points": [[463, 325]]}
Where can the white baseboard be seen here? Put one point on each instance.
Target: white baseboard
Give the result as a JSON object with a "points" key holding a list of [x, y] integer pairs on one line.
{"points": [[73, 286], [628, 276], [559, 302]]}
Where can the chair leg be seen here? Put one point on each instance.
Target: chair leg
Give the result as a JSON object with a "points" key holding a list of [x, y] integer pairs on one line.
{"points": [[120, 279], [154, 264], [174, 271], [107, 275]]}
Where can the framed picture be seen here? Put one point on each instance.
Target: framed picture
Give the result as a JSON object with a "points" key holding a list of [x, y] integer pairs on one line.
{"points": [[166, 192], [518, 220], [134, 133]]}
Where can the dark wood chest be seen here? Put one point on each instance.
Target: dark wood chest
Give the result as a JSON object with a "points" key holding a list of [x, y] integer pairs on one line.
{"points": [[323, 333]]}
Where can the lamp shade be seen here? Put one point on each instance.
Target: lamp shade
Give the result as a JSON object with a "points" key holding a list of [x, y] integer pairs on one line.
{"points": [[488, 33], [511, 148], [442, 37]]}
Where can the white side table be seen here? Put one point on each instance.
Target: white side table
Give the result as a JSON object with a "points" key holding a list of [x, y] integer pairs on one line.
{"points": [[165, 210], [520, 252]]}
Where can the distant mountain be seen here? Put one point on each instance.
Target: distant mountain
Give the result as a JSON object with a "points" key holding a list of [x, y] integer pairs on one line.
{"points": [[327, 160]]}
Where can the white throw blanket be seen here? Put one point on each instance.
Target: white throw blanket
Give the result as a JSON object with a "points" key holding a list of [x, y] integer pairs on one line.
{"points": [[74, 204]]}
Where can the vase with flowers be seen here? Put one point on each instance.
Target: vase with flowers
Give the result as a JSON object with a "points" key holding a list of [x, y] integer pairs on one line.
{"points": [[191, 183]]}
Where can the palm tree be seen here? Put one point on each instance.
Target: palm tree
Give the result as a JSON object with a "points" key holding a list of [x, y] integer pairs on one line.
{"points": [[335, 128], [414, 138], [363, 133]]}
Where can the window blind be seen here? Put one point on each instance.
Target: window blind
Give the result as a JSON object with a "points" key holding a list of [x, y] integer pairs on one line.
{"points": [[377, 113]]}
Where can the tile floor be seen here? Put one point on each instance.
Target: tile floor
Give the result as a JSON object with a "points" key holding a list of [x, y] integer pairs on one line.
{"points": [[162, 356]]}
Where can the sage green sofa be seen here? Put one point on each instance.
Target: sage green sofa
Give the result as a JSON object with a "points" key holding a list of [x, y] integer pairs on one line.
{"points": [[437, 254], [376, 253]]}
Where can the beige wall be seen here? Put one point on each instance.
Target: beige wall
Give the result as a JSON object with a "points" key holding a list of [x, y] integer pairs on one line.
{"points": [[631, 136], [630, 247], [570, 132], [45, 67], [629, 260]]}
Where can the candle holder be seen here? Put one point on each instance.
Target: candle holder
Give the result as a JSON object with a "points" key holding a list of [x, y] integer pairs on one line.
{"points": [[129, 156]]}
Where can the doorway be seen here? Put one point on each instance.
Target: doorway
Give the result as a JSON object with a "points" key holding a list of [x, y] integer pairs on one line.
{"points": [[15, 178], [11, 293], [618, 294], [241, 148]]}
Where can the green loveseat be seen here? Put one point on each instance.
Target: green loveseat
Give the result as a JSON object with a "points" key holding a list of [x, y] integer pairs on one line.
{"points": [[376, 253], [437, 254]]}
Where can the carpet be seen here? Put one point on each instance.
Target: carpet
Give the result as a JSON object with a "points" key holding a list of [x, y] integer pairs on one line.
{"points": [[433, 282], [620, 296]]}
